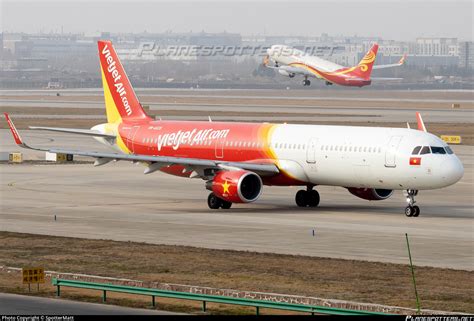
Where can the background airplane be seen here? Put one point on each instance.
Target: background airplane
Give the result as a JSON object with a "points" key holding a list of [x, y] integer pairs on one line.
{"points": [[236, 159], [290, 62]]}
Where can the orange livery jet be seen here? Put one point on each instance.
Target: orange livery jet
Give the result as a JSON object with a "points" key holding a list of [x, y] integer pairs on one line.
{"points": [[290, 62]]}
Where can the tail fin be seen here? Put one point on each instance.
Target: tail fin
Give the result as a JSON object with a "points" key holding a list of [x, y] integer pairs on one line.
{"points": [[364, 68], [120, 99]]}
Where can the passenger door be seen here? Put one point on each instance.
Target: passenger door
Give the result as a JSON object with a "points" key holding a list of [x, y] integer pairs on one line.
{"points": [[391, 152]]}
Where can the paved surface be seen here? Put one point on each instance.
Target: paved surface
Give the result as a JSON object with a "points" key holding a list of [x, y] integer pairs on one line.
{"points": [[118, 202], [13, 304], [322, 113], [352, 104]]}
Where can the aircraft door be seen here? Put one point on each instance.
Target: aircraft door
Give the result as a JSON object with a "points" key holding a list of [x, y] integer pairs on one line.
{"points": [[391, 152], [311, 151], [220, 148], [131, 137]]}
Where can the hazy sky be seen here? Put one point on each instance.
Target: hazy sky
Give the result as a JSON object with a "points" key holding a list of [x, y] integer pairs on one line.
{"points": [[398, 20]]}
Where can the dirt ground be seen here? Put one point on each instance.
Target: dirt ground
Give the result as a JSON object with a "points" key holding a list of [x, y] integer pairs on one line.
{"points": [[370, 282]]}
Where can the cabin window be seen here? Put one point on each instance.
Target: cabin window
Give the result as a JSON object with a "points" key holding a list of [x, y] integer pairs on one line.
{"points": [[416, 150], [425, 150]]}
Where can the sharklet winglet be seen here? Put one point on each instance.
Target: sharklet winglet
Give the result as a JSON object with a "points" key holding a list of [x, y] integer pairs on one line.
{"points": [[421, 124]]}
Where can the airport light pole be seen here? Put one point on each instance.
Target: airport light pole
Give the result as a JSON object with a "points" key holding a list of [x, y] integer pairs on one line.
{"points": [[413, 276]]}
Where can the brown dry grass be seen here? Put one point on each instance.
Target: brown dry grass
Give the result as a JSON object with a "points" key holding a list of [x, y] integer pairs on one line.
{"points": [[383, 283]]}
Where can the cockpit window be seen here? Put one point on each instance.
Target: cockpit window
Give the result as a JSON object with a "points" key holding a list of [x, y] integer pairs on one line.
{"points": [[416, 150], [449, 150], [425, 150], [437, 150]]}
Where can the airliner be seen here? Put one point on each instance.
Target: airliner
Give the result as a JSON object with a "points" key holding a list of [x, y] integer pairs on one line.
{"points": [[235, 160], [290, 62]]}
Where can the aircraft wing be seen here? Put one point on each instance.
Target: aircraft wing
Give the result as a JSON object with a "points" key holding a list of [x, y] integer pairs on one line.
{"points": [[154, 162], [74, 131], [292, 70], [377, 79], [401, 62]]}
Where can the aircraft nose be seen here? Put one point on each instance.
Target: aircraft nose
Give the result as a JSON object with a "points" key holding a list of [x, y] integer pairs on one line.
{"points": [[452, 170]]}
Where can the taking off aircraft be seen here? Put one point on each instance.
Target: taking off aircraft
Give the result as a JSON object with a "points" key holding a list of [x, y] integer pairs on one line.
{"points": [[290, 62], [236, 159]]}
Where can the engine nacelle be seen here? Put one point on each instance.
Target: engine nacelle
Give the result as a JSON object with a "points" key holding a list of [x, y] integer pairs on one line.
{"points": [[371, 194], [236, 186], [286, 73]]}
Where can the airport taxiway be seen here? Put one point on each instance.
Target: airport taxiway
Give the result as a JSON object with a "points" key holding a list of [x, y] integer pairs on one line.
{"points": [[118, 202]]}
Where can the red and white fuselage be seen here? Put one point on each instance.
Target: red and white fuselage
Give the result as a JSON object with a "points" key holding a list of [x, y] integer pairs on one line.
{"points": [[237, 159], [345, 156]]}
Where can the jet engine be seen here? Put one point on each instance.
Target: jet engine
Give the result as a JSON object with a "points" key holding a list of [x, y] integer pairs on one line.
{"points": [[286, 73], [371, 194], [237, 186]]}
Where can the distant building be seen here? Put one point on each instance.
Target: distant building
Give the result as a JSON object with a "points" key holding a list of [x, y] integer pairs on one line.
{"points": [[437, 46], [466, 54]]}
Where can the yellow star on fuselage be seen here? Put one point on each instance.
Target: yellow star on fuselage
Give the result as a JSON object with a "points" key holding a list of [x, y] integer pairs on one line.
{"points": [[225, 186]]}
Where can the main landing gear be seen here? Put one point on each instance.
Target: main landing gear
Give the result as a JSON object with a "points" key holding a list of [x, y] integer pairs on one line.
{"points": [[306, 82], [412, 209], [308, 198], [215, 202]]}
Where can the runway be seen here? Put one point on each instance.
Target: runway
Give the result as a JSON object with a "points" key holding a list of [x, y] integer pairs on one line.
{"points": [[290, 106], [118, 202], [13, 304]]}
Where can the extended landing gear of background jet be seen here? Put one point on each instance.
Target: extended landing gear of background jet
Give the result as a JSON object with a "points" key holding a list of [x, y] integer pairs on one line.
{"points": [[306, 82], [412, 209], [215, 202], [308, 198]]}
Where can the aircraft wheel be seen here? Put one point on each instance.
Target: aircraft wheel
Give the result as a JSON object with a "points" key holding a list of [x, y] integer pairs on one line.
{"points": [[313, 198], [226, 205], [308, 82], [213, 201], [409, 211], [301, 199], [416, 210]]}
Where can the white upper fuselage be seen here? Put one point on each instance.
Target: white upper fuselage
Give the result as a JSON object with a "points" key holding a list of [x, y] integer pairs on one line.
{"points": [[285, 55], [364, 157]]}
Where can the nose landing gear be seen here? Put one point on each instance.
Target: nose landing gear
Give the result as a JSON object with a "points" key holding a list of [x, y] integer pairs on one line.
{"points": [[412, 209], [308, 198]]}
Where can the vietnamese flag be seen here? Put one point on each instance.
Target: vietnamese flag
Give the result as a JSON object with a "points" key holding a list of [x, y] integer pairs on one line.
{"points": [[415, 160]]}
